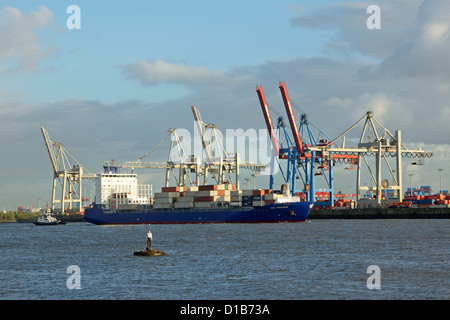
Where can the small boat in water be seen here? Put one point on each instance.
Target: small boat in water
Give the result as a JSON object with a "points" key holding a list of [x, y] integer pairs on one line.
{"points": [[46, 219]]}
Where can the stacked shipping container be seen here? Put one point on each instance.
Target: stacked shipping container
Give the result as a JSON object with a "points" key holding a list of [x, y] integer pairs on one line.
{"points": [[428, 200], [209, 196]]}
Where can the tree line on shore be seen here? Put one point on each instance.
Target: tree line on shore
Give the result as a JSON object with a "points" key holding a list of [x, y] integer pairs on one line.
{"points": [[12, 216]]}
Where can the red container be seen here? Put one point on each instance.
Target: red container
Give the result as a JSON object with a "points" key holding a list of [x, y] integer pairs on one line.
{"points": [[258, 192], [171, 189], [211, 187], [203, 199], [435, 197]]}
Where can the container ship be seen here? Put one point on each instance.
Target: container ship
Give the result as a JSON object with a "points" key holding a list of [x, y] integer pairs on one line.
{"points": [[120, 200]]}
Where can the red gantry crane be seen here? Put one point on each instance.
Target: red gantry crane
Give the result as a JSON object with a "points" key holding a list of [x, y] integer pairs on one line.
{"points": [[290, 115], [269, 124]]}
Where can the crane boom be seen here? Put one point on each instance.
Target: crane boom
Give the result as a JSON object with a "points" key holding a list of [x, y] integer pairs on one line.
{"points": [[200, 127], [290, 114], [269, 124], [50, 150]]}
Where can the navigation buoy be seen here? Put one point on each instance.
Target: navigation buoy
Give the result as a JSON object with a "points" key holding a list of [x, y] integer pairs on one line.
{"points": [[149, 253], [149, 250]]}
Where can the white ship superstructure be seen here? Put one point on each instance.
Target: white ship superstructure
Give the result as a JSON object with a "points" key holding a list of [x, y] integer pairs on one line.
{"points": [[116, 190]]}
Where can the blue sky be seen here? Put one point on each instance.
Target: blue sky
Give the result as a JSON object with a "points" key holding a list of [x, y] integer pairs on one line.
{"points": [[112, 88], [216, 35]]}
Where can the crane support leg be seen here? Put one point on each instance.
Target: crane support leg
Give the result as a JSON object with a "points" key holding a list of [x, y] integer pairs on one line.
{"points": [[379, 172], [399, 165], [312, 187]]}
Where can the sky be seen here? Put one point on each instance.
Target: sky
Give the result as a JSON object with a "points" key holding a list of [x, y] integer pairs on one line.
{"points": [[112, 89]]}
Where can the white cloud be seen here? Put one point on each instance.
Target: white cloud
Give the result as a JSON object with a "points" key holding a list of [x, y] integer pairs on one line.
{"points": [[162, 72], [156, 72], [425, 52], [20, 49], [407, 88], [152, 73], [348, 19]]}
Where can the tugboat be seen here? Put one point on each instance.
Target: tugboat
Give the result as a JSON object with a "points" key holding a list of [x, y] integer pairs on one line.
{"points": [[46, 219]]}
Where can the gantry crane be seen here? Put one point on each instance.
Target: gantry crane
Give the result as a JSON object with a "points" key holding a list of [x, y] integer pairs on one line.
{"points": [[302, 163], [269, 123], [291, 118], [325, 153], [202, 130], [382, 147], [215, 164], [69, 176], [218, 161]]}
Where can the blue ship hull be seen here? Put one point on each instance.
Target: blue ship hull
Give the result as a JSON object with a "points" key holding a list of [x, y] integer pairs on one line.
{"points": [[277, 212]]}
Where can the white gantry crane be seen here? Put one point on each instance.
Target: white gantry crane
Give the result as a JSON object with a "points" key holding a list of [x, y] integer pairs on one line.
{"points": [[69, 176], [381, 146], [216, 161]]}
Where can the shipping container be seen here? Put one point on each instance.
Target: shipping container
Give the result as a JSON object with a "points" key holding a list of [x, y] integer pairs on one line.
{"points": [[435, 197], [181, 205], [270, 196], [162, 206], [258, 192], [204, 199], [186, 199], [173, 189], [203, 204], [426, 201], [205, 193], [168, 194], [258, 203], [165, 200], [213, 187]]}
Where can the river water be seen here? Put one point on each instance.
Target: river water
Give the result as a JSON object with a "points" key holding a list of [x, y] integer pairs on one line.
{"points": [[319, 259]]}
